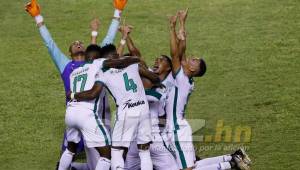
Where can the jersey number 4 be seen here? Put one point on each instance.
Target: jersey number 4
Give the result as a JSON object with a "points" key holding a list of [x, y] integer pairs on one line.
{"points": [[129, 83], [79, 79]]}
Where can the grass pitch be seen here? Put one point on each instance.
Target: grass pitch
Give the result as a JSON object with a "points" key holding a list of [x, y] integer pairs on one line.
{"points": [[253, 79]]}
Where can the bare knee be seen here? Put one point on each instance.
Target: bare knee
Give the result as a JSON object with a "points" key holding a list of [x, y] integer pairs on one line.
{"points": [[104, 151]]}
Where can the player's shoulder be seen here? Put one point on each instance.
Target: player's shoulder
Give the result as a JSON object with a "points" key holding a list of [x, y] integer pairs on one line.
{"points": [[134, 65], [182, 79], [179, 74], [156, 93], [99, 61], [132, 68]]}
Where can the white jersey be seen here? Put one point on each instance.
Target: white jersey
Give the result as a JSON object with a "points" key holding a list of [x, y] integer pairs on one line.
{"points": [[125, 85], [156, 99], [169, 81], [82, 79], [178, 99]]}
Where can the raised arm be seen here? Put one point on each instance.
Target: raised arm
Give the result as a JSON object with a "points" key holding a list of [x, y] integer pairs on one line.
{"points": [[125, 31], [111, 33], [182, 34], [120, 63], [60, 60], [134, 50], [89, 94], [113, 29], [94, 25], [176, 63]]}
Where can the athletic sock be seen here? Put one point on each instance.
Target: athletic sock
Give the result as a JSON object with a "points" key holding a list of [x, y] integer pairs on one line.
{"points": [[213, 160], [117, 161], [219, 166], [227, 158], [65, 160], [81, 166], [103, 164], [209, 167], [225, 165], [146, 162]]}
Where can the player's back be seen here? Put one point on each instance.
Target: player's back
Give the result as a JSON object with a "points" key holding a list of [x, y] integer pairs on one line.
{"points": [[82, 79], [125, 85]]}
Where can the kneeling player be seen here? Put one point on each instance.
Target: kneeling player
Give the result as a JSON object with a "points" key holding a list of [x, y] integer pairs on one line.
{"points": [[161, 156], [133, 119], [81, 116], [184, 69]]}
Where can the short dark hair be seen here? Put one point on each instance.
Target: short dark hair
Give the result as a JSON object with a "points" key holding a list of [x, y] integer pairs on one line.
{"points": [[107, 49], [168, 59], [202, 69], [93, 50]]}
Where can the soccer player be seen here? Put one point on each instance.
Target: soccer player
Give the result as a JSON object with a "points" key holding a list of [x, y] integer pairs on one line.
{"points": [[161, 156], [81, 116], [184, 69], [162, 67], [64, 65], [133, 118]]}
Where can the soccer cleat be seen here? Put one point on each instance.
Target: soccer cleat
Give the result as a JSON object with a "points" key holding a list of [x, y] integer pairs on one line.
{"points": [[244, 155], [241, 165], [33, 8], [120, 4]]}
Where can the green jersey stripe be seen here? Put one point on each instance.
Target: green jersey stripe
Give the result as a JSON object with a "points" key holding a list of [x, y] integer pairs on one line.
{"points": [[187, 101], [168, 148], [154, 93], [181, 154], [175, 74], [98, 122], [176, 126]]}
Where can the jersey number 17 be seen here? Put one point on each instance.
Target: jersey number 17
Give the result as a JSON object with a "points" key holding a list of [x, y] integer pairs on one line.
{"points": [[79, 79]]}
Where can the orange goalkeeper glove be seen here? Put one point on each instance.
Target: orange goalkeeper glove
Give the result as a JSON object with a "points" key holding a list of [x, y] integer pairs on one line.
{"points": [[120, 4], [33, 8]]}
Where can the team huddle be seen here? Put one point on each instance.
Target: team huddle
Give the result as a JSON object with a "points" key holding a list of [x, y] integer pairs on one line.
{"points": [[143, 95]]}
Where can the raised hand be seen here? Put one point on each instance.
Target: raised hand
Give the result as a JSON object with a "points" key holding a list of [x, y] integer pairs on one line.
{"points": [[125, 30], [33, 8], [182, 14], [173, 20], [95, 24]]}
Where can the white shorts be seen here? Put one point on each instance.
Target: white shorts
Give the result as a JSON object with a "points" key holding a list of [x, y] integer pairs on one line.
{"points": [[84, 121], [161, 157], [131, 124], [182, 141]]}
